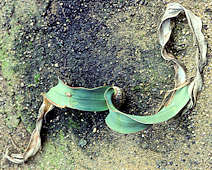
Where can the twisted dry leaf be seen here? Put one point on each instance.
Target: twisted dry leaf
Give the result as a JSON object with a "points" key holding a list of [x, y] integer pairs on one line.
{"points": [[99, 99], [165, 30], [35, 140]]}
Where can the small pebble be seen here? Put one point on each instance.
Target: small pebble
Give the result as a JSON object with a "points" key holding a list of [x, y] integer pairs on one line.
{"points": [[22, 84], [94, 130], [82, 142]]}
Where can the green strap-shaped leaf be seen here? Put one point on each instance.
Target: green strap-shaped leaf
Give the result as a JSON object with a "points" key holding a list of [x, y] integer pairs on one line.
{"points": [[100, 99], [78, 97], [125, 123], [118, 121]]}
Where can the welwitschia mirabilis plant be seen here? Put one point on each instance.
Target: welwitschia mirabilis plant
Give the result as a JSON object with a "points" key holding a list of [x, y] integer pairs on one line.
{"points": [[182, 97]]}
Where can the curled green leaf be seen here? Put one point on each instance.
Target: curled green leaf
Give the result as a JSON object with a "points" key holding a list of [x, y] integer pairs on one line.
{"points": [[101, 98]]}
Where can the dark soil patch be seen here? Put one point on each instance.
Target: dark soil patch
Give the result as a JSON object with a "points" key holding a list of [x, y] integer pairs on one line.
{"points": [[78, 43]]}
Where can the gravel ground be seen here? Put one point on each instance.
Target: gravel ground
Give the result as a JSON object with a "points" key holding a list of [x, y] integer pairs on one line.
{"points": [[92, 43]]}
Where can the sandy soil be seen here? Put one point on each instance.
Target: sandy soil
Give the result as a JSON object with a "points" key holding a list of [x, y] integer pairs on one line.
{"points": [[43, 40]]}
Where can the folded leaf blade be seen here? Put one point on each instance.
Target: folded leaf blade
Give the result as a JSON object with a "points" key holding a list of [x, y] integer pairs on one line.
{"points": [[126, 123], [78, 97]]}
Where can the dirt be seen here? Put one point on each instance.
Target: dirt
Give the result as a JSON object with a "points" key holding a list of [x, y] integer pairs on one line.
{"points": [[89, 44]]}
